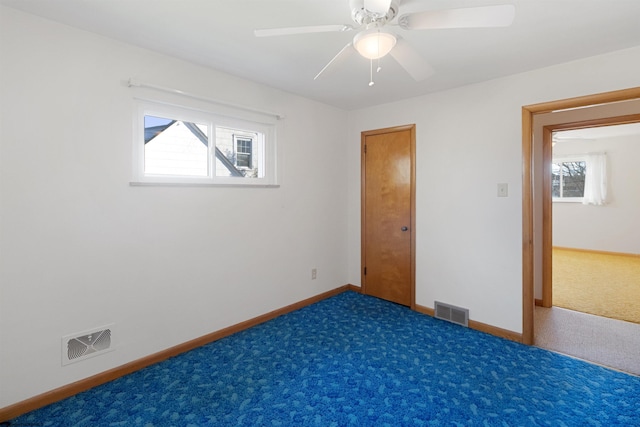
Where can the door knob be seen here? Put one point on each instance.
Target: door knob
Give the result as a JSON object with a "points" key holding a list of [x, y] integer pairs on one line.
{"points": [[404, 229]]}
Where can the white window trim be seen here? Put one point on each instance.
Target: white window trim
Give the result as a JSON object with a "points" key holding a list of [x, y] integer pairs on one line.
{"points": [[212, 119], [567, 159]]}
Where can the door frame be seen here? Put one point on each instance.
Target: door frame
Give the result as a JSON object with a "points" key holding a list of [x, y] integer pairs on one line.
{"points": [[412, 230], [530, 169]]}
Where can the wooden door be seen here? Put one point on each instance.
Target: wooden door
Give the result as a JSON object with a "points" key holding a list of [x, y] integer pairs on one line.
{"points": [[388, 220]]}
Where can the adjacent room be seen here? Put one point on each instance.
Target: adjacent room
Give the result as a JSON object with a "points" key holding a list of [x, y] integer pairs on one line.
{"points": [[593, 218], [589, 304], [286, 212]]}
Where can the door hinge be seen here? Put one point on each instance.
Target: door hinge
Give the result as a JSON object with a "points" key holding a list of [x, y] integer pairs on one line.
{"points": [[365, 149], [365, 271]]}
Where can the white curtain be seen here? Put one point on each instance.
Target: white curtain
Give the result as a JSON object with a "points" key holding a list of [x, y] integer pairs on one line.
{"points": [[595, 181]]}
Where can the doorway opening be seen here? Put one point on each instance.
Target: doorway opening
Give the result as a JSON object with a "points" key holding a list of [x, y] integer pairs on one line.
{"points": [[597, 339], [536, 240], [592, 204]]}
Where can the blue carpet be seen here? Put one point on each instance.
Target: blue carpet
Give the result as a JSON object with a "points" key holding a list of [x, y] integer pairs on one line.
{"points": [[354, 360]]}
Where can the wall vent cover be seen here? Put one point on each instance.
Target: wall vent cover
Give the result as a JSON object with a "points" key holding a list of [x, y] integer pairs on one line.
{"points": [[451, 313], [86, 344]]}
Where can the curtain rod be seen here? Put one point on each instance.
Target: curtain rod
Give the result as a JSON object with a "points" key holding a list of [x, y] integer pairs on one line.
{"points": [[136, 83]]}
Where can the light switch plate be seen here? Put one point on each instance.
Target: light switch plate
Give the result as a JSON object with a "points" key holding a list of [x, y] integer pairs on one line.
{"points": [[503, 190]]}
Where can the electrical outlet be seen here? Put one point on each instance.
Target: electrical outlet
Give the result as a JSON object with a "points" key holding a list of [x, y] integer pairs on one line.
{"points": [[314, 273]]}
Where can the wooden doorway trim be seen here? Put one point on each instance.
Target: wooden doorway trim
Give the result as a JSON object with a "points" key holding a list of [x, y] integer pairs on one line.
{"points": [[529, 170], [412, 231]]}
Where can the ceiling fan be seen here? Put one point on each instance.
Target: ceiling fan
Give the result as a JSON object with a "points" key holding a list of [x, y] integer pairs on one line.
{"points": [[374, 40]]}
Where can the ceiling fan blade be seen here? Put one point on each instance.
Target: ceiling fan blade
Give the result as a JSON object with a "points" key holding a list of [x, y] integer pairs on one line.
{"points": [[472, 17], [348, 45], [302, 30], [380, 7], [411, 60]]}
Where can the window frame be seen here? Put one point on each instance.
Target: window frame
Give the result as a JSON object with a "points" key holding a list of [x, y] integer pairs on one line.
{"points": [[566, 159], [265, 130]]}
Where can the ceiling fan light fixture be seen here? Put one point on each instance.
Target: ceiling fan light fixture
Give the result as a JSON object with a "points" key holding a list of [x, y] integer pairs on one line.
{"points": [[374, 43]]}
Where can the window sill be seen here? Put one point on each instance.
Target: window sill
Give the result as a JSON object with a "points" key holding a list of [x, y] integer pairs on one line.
{"points": [[568, 200], [197, 184]]}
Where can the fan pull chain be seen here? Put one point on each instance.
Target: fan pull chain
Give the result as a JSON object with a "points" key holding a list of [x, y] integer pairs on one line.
{"points": [[371, 83], [379, 67]]}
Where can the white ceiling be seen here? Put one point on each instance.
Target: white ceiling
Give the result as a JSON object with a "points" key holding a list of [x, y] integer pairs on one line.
{"points": [[219, 34]]}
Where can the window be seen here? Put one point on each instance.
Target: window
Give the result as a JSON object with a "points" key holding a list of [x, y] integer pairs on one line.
{"points": [[243, 151], [178, 145], [568, 179], [175, 147]]}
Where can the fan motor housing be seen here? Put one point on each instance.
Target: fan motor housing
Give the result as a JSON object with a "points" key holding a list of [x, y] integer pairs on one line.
{"points": [[362, 16]]}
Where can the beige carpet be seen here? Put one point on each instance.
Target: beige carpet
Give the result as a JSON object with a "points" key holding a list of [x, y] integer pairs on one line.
{"points": [[601, 284], [608, 342]]}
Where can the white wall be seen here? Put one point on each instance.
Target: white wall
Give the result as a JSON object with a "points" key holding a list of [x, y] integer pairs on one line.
{"points": [[469, 241], [611, 227], [81, 248]]}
